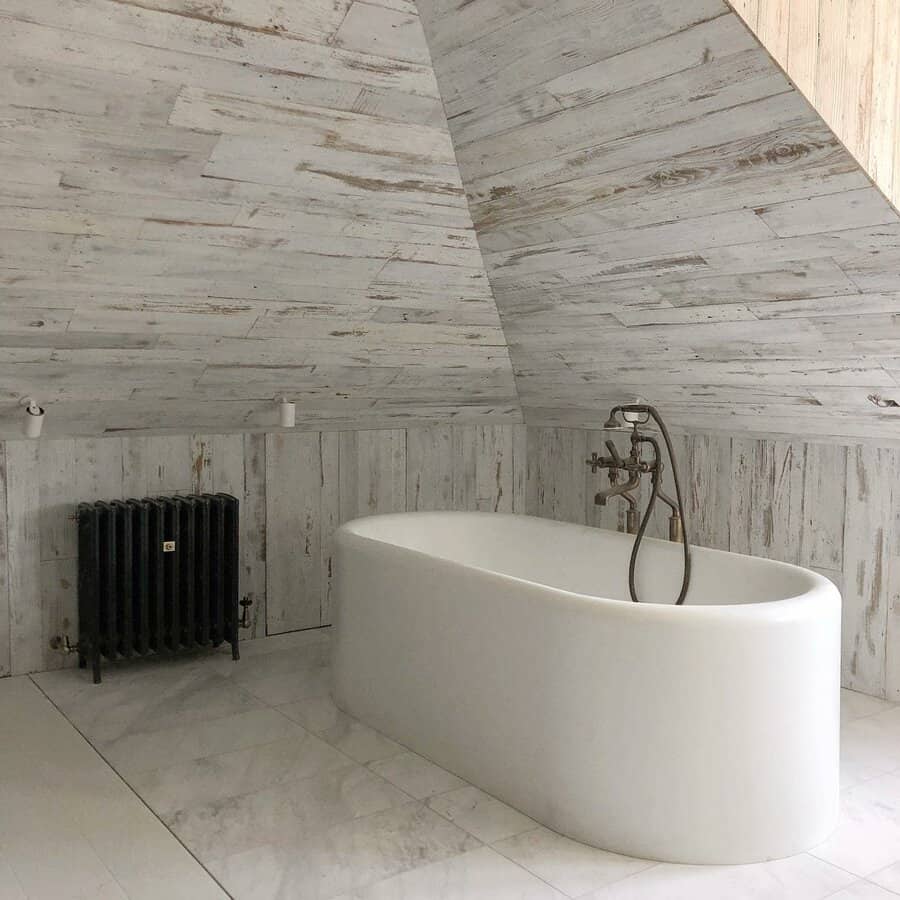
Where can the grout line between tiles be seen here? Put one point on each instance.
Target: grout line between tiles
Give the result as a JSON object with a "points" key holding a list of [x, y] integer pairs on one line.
{"points": [[132, 790]]}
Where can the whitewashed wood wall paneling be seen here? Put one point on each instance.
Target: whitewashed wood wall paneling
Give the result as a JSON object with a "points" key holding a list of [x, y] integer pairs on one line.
{"points": [[44, 481], [297, 504], [23, 537], [204, 209], [5, 623], [831, 507], [295, 489], [662, 213]]}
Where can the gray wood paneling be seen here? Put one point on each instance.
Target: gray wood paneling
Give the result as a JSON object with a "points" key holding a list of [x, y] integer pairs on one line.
{"points": [[295, 489], [297, 502], [5, 617], [663, 214], [204, 210], [830, 507], [868, 546], [23, 536]]}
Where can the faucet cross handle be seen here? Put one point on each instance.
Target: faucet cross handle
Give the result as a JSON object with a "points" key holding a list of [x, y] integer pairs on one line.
{"points": [[595, 462]]}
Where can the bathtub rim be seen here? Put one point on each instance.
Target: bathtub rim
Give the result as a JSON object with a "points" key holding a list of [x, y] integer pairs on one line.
{"points": [[820, 594]]}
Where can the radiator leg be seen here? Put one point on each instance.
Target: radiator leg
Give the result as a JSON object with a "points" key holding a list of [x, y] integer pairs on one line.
{"points": [[235, 650], [82, 661], [96, 667]]}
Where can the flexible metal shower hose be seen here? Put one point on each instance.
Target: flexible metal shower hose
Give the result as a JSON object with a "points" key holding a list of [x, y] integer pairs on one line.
{"points": [[645, 521]]}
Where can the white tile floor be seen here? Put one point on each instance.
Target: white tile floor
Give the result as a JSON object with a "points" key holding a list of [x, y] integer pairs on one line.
{"points": [[69, 826], [280, 795]]}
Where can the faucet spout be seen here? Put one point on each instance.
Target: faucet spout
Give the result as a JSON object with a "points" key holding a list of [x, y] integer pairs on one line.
{"points": [[619, 490]]}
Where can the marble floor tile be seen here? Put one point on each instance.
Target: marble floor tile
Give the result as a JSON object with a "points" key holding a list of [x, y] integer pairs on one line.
{"points": [[873, 741], [151, 699], [416, 775], [10, 886], [224, 775], [138, 855], [172, 886], [480, 814], [888, 878], [801, 877], [856, 706], [144, 750], [345, 857], [481, 873], [316, 654], [863, 890], [290, 640], [71, 870], [276, 689], [854, 771], [282, 795], [867, 838], [291, 813], [573, 868], [69, 826], [358, 741]]}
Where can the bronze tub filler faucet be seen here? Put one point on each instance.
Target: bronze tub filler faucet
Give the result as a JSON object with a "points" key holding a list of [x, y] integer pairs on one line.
{"points": [[635, 467]]}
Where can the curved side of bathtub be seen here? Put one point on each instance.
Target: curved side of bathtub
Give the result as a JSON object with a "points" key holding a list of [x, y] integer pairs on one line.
{"points": [[702, 735]]}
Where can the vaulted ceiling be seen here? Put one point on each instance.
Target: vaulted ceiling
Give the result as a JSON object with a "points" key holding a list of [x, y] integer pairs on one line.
{"points": [[204, 206], [663, 214], [208, 205]]}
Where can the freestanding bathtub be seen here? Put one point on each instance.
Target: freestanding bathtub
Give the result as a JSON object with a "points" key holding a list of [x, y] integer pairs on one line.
{"points": [[504, 648]]}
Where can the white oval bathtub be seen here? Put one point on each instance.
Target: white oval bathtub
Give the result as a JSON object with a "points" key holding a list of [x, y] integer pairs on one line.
{"points": [[504, 648]]}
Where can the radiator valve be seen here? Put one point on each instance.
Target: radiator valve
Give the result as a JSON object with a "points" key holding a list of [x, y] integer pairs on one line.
{"points": [[62, 643], [246, 603]]}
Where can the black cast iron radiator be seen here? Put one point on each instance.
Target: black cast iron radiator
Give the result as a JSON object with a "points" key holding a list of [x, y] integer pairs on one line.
{"points": [[157, 576]]}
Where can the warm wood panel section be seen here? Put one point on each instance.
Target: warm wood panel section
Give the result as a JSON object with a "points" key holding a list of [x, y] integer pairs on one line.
{"points": [[828, 506], [663, 214], [845, 57], [202, 210]]}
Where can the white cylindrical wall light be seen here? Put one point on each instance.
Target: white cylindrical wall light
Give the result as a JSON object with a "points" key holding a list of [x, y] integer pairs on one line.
{"points": [[287, 413], [34, 417]]}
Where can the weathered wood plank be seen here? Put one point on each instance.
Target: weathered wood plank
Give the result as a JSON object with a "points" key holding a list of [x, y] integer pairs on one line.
{"points": [[26, 651], [884, 137], [170, 171], [293, 534], [372, 472], [330, 519], [867, 550], [707, 483], [556, 467], [824, 506], [156, 465], [429, 468], [396, 34], [520, 468], [834, 212], [5, 610], [483, 468]]}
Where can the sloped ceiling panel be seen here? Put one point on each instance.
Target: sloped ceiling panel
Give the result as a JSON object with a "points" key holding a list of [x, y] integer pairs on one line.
{"points": [[204, 206], [664, 215]]}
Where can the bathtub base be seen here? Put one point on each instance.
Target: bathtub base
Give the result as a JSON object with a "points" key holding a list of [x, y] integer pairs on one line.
{"points": [[688, 735]]}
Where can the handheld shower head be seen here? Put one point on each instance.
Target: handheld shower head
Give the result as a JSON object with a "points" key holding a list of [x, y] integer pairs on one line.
{"points": [[611, 422]]}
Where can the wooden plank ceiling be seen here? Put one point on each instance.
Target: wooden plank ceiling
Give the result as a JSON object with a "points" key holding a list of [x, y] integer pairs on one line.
{"points": [[204, 206], [663, 214]]}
